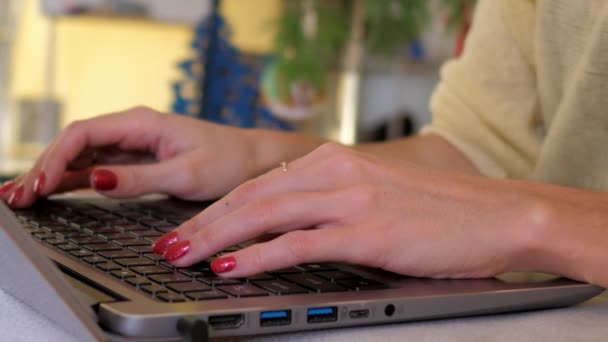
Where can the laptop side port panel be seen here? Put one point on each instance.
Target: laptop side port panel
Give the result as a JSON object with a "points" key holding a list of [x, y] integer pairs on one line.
{"points": [[275, 318], [322, 315]]}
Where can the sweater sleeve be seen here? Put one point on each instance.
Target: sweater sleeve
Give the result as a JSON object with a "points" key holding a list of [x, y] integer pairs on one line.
{"points": [[486, 103]]}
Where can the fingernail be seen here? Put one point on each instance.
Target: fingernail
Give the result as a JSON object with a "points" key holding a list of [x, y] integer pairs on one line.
{"points": [[164, 242], [16, 196], [39, 184], [223, 265], [104, 180], [177, 251], [6, 187]]}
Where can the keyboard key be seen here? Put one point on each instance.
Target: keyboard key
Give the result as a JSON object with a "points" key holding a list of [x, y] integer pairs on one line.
{"points": [[81, 253], [336, 275], [69, 235], [149, 234], [148, 270], [213, 281], [101, 230], [132, 227], [55, 241], [263, 276], [132, 262], [141, 249], [151, 221], [43, 235], [206, 295], [288, 270], [58, 228], [170, 278], [314, 283], [68, 247], [86, 240], [154, 257], [123, 274], [192, 286], [102, 247], [118, 254], [243, 290], [168, 265], [94, 260], [132, 242], [362, 284], [108, 266], [153, 289], [116, 236], [280, 287], [171, 297], [138, 281]]}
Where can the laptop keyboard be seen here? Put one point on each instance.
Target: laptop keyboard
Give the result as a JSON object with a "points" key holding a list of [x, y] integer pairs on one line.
{"points": [[117, 238]]}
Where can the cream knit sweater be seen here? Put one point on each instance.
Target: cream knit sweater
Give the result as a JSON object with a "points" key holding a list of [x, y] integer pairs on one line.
{"points": [[529, 97]]}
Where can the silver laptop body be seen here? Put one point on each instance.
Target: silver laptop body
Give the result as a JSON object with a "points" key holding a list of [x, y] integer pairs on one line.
{"points": [[93, 305]]}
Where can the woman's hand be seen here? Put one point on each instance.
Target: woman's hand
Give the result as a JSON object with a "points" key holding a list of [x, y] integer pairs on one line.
{"points": [[142, 151], [339, 205]]}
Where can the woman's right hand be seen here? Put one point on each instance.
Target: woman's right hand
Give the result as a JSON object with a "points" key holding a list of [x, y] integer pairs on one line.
{"points": [[142, 151]]}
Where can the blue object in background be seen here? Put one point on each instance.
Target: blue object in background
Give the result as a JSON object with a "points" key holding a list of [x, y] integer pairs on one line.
{"points": [[221, 84]]}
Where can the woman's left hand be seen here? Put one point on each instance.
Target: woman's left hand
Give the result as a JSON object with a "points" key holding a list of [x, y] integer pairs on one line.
{"points": [[340, 205]]}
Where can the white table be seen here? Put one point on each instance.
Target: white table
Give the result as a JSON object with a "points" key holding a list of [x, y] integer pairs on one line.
{"points": [[585, 322]]}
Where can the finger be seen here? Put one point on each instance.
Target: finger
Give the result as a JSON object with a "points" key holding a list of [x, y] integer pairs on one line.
{"points": [[13, 191], [136, 129], [273, 215], [134, 180], [290, 249]]}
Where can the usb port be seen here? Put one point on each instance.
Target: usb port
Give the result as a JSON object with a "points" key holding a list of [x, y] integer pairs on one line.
{"points": [[358, 313], [225, 321], [321, 315], [275, 318]]}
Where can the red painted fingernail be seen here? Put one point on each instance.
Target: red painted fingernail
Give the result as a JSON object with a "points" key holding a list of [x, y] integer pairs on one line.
{"points": [[16, 196], [177, 251], [164, 242], [104, 180], [223, 265], [6, 188], [39, 184]]}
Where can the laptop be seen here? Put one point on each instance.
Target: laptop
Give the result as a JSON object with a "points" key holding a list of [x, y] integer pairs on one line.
{"points": [[86, 263]]}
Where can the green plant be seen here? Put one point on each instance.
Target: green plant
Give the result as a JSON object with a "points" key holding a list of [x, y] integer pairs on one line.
{"points": [[306, 55]]}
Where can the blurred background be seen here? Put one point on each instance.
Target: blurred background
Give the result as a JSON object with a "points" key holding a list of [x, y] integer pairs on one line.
{"points": [[347, 70]]}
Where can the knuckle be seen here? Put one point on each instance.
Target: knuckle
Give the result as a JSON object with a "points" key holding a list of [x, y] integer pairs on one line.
{"points": [[248, 190], [298, 246], [366, 195], [347, 163], [75, 126], [264, 210]]}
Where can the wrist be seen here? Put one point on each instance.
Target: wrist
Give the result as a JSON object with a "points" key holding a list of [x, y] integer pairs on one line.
{"points": [[560, 233], [270, 148]]}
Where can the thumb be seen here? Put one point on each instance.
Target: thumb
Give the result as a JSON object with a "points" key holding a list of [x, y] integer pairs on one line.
{"points": [[135, 180]]}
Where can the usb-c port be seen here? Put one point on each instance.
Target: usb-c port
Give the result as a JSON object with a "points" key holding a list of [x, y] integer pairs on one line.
{"points": [[363, 313]]}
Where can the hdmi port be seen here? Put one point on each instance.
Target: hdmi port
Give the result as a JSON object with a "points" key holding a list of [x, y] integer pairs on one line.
{"points": [[225, 321]]}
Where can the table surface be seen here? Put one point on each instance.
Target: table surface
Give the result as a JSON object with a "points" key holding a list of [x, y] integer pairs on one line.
{"points": [[583, 322]]}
